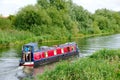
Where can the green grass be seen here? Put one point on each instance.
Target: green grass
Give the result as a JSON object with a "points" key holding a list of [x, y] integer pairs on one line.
{"points": [[102, 65], [11, 37], [106, 54], [14, 36]]}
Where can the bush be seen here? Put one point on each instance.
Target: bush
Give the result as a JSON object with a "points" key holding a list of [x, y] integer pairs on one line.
{"points": [[5, 23], [106, 54]]}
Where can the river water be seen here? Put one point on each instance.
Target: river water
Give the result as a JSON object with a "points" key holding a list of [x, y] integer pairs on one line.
{"points": [[9, 60]]}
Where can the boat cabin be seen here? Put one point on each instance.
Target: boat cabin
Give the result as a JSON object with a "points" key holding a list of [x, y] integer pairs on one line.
{"points": [[28, 51]]}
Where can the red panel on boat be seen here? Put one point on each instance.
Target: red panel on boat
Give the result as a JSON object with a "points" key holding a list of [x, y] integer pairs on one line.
{"points": [[65, 49], [43, 55], [58, 50], [71, 48], [37, 56], [50, 53]]}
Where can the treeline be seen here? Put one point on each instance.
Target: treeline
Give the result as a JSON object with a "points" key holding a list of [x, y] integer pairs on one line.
{"points": [[9, 35], [61, 19]]}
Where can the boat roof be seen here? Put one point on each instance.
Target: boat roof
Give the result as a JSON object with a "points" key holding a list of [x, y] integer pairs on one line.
{"points": [[31, 44]]}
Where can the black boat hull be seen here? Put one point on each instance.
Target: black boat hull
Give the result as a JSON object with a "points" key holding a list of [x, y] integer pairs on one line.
{"points": [[55, 58]]}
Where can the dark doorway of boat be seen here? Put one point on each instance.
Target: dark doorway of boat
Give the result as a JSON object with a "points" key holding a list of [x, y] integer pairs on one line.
{"points": [[27, 54]]}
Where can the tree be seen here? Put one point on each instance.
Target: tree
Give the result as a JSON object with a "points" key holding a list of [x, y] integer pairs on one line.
{"points": [[5, 23], [29, 16], [43, 3]]}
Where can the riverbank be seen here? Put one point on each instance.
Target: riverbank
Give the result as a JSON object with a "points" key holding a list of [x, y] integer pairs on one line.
{"points": [[66, 24], [23, 37], [102, 65]]}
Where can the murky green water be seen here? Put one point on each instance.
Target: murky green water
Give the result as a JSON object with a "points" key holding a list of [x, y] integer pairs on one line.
{"points": [[9, 58]]}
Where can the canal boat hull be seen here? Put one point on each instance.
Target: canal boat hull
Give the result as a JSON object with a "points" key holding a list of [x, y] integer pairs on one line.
{"points": [[55, 58], [46, 55]]}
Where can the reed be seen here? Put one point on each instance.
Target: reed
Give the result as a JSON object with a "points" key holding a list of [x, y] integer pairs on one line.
{"points": [[14, 36]]}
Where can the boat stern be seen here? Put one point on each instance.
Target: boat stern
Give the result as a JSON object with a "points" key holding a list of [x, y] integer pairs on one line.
{"points": [[26, 64]]}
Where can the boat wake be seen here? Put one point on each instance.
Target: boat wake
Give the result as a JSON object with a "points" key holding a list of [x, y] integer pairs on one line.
{"points": [[10, 71]]}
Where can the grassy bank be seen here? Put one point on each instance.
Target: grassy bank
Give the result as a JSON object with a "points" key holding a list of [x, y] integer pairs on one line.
{"points": [[102, 65], [11, 38]]}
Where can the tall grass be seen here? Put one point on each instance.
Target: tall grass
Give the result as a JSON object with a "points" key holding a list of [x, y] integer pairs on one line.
{"points": [[106, 54], [13, 36], [102, 65]]}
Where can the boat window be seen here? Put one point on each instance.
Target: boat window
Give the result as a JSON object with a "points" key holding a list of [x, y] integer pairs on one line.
{"points": [[73, 48], [43, 48], [35, 48], [68, 48], [27, 48]]}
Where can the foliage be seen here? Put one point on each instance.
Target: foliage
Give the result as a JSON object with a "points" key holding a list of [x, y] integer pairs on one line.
{"points": [[64, 13], [97, 67], [106, 54], [30, 16], [106, 20], [14, 36], [61, 19], [5, 23]]}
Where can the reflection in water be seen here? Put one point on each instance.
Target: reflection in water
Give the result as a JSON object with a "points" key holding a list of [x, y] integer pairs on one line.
{"points": [[42, 69], [9, 69]]}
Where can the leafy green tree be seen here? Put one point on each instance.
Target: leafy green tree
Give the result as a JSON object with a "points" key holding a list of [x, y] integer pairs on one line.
{"points": [[95, 28], [5, 23], [30, 16], [83, 17], [54, 17], [108, 21], [43, 3]]}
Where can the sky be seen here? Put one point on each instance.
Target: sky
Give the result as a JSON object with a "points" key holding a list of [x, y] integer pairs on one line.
{"points": [[92, 5], [11, 7]]}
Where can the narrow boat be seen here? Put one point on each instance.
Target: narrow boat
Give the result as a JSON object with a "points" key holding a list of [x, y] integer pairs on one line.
{"points": [[34, 56]]}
